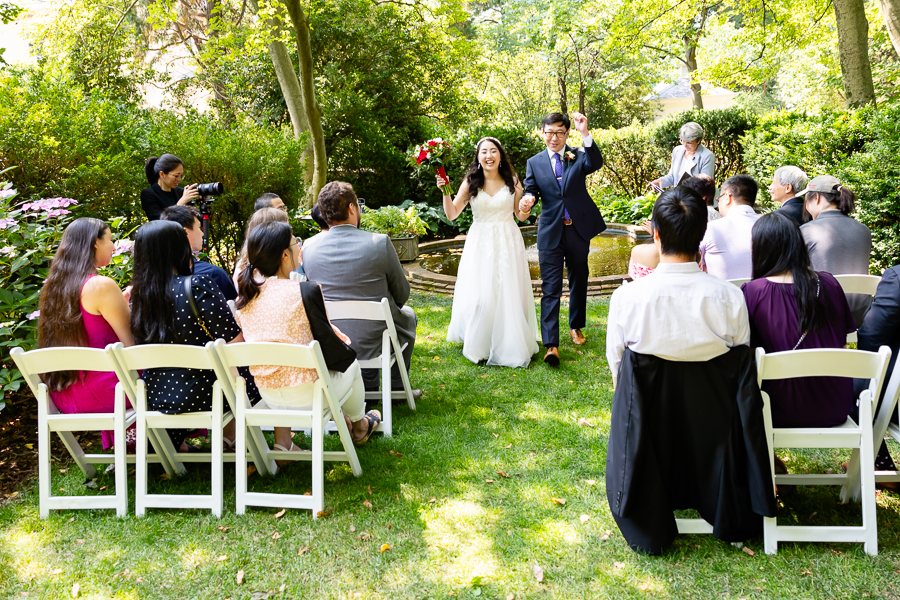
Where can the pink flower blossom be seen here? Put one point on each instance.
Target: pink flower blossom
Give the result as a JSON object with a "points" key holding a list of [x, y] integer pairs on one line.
{"points": [[7, 193], [50, 204], [34, 315], [8, 221], [123, 246], [8, 250], [58, 212]]}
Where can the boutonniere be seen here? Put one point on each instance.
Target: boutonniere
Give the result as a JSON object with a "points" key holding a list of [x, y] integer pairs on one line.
{"points": [[570, 156]]}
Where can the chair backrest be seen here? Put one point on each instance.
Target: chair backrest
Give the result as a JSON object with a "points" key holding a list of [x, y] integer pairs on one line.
{"points": [[129, 361], [50, 360], [738, 282], [888, 405], [364, 310], [233, 307], [859, 284], [825, 362]]}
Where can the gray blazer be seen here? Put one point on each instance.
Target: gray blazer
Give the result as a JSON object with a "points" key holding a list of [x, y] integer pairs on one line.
{"points": [[840, 245], [351, 264], [705, 162]]}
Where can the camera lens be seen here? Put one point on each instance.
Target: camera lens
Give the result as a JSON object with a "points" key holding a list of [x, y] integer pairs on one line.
{"points": [[211, 189]]}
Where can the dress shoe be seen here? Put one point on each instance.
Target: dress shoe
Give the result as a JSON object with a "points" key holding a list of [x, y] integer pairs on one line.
{"points": [[577, 337], [552, 357]]}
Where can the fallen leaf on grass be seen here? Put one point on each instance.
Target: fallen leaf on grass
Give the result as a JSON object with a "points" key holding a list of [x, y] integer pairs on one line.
{"points": [[619, 565], [369, 489], [538, 572], [103, 488], [397, 454], [280, 513], [80, 540], [489, 481], [63, 470], [303, 550], [390, 527], [807, 572], [483, 376], [29, 446], [164, 476], [367, 504], [510, 597], [276, 535], [72, 520], [384, 548], [584, 518], [139, 580], [322, 514], [352, 528], [583, 421], [645, 587], [222, 558], [432, 501], [56, 571], [747, 550], [76, 589], [508, 446], [496, 435], [224, 529], [605, 536], [560, 501], [590, 482], [251, 469], [502, 474], [239, 578], [365, 536]]}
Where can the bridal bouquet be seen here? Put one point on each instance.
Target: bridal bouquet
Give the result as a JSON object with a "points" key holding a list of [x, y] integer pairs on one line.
{"points": [[433, 153]]}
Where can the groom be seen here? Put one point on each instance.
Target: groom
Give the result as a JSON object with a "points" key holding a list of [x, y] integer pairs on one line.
{"points": [[569, 219]]}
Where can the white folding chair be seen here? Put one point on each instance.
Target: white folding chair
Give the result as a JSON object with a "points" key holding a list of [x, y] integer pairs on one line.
{"points": [[826, 363], [738, 282], [233, 307], [858, 284], [129, 361], [326, 407], [49, 360], [391, 352]]}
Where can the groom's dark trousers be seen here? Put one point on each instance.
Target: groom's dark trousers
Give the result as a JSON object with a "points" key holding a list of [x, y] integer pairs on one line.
{"points": [[561, 245]]}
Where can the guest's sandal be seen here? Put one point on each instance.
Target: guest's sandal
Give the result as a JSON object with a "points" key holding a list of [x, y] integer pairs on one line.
{"points": [[373, 420], [294, 448]]}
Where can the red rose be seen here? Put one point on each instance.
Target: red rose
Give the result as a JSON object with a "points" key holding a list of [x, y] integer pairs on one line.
{"points": [[432, 143], [422, 156]]}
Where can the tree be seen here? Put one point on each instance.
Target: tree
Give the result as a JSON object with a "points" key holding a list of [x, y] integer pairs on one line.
{"points": [[853, 45], [890, 11]]}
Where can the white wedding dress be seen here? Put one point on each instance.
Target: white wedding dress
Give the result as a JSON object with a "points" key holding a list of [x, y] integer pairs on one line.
{"points": [[493, 304]]}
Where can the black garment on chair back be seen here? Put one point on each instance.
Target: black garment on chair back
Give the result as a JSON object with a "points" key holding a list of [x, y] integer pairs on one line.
{"points": [[688, 435]]}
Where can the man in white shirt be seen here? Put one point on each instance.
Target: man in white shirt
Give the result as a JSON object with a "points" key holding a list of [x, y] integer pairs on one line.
{"points": [[678, 312], [725, 249]]}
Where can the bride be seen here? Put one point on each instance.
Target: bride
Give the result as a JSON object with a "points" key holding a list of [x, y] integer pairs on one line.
{"points": [[493, 303]]}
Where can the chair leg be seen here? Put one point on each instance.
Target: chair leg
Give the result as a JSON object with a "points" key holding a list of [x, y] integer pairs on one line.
{"points": [[217, 439], [404, 377], [386, 383], [770, 535], [119, 450], [850, 490], [43, 457], [240, 460], [867, 479], [140, 465], [318, 459]]}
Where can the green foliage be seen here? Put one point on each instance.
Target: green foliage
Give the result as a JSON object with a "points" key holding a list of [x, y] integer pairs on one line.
{"points": [[91, 148], [723, 130], [394, 221], [434, 218], [632, 212], [630, 160]]}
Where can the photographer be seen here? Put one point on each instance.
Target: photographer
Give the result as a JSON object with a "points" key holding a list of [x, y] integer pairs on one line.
{"points": [[164, 174]]}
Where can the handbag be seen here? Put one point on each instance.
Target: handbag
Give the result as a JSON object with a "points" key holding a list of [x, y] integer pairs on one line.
{"points": [[338, 355]]}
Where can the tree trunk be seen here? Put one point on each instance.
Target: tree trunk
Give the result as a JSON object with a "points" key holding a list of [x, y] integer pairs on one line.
{"points": [[890, 11], [690, 60], [853, 47], [310, 104], [213, 24]]}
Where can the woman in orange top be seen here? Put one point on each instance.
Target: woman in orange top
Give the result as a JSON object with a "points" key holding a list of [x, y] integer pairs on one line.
{"points": [[273, 312]]}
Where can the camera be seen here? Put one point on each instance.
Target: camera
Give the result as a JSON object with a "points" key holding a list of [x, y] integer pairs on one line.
{"points": [[210, 189]]}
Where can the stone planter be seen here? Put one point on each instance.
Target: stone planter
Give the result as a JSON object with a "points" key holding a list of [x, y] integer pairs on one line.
{"points": [[407, 248]]}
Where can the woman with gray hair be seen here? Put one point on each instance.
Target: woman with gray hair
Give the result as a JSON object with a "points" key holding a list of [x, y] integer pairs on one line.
{"points": [[689, 159]]}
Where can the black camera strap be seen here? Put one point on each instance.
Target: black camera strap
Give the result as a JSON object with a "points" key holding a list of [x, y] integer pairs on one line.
{"points": [[194, 310]]}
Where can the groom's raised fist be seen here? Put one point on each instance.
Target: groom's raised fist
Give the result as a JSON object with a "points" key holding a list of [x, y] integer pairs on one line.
{"points": [[580, 123]]}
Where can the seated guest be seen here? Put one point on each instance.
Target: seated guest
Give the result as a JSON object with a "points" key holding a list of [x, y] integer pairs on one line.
{"points": [[686, 427], [837, 243], [881, 327], [269, 200], [189, 218], [644, 257], [161, 314], [792, 307], [725, 248], [351, 264], [787, 186], [704, 185], [164, 173], [263, 215], [274, 312], [80, 308], [690, 158], [679, 312]]}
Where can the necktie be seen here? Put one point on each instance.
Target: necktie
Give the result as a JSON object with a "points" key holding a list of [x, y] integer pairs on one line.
{"points": [[559, 172]]}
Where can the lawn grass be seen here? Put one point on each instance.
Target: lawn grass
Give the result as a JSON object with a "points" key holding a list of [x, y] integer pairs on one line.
{"points": [[451, 532]]}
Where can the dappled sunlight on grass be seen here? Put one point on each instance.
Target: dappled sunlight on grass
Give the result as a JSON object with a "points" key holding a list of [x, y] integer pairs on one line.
{"points": [[458, 530]]}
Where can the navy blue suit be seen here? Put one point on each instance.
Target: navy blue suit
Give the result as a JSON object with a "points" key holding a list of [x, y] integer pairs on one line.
{"points": [[564, 245]]}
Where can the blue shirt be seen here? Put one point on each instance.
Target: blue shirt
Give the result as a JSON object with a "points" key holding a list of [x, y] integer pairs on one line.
{"points": [[218, 275]]}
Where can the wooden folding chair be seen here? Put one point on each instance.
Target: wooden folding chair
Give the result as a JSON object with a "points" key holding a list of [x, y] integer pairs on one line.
{"points": [[391, 353], [827, 363], [48, 360], [858, 284], [129, 362], [326, 407]]}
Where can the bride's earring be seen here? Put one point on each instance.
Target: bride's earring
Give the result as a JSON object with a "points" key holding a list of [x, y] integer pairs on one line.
{"points": [[479, 165]]}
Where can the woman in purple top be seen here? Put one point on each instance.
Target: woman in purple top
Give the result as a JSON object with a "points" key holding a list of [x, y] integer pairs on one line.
{"points": [[80, 308], [792, 307]]}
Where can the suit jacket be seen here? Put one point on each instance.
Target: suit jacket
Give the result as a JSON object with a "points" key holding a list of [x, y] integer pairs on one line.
{"points": [[351, 264], [689, 435], [705, 162], [154, 200], [881, 326], [540, 181], [794, 209], [338, 355]]}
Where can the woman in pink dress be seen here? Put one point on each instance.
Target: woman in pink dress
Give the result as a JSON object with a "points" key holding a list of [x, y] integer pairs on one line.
{"points": [[80, 308]]}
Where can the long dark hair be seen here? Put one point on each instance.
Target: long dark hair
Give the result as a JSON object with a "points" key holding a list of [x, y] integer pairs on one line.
{"points": [[265, 247], [161, 250], [60, 322], [776, 247], [475, 175], [164, 163], [843, 198]]}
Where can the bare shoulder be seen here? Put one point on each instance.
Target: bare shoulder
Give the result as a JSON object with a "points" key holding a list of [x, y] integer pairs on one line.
{"points": [[100, 284]]}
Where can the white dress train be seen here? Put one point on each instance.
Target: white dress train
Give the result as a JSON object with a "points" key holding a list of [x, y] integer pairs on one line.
{"points": [[493, 303]]}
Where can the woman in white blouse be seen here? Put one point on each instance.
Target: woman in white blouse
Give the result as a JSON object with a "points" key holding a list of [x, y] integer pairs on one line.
{"points": [[689, 159]]}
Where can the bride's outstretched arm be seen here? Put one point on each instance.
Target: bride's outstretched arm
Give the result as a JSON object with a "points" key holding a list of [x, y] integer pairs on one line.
{"points": [[454, 206], [522, 216]]}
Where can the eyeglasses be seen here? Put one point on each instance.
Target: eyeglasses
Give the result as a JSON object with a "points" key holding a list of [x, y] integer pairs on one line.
{"points": [[178, 176], [555, 134], [296, 242]]}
